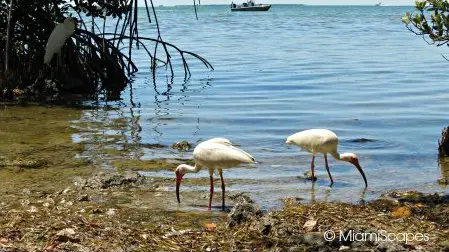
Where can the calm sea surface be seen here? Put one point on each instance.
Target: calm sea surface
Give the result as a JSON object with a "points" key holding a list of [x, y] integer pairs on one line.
{"points": [[355, 70]]}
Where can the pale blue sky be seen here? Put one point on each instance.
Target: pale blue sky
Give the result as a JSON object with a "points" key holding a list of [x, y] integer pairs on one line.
{"points": [[311, 2]]}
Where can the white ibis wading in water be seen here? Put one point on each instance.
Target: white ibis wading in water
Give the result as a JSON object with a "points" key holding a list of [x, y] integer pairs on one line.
{"points": [[323, 141], [215, 153], [58, 36]]}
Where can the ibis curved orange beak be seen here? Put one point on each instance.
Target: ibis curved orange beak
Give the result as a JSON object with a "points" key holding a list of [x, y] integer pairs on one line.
{"points": [[178, 184], [357, 165]]}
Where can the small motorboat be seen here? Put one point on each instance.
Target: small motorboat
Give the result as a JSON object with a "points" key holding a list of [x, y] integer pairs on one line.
{"points": [[250, 6]]}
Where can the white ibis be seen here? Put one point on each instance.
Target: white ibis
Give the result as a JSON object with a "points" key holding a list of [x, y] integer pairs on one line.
{"points": [[58, 36], [215, 153], [323, 141]]}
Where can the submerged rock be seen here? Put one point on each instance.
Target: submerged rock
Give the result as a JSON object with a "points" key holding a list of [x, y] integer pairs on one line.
{"points": [[307, 175], [241, 197], [182, 146], [153, 146], [242, 212], [361, 140], [104, 180]]}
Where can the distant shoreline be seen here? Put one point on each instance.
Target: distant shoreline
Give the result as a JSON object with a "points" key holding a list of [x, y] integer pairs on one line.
{"points": [[308, 5]]}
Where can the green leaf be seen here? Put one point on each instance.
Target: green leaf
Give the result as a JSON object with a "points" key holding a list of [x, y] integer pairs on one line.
{"points": [[406, 19]]}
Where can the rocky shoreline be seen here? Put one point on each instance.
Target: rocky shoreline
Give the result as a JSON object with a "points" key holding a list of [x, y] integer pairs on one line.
{"points": [[109, 211]]}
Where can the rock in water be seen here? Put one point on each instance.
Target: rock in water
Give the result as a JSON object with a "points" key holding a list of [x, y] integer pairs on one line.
{"points": [[443, 144], [105, 180], [241, 198], [242, 212], [182, 146]]}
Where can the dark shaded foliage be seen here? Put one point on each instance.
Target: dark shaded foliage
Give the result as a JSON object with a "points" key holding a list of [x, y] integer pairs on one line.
{"points": [[92, 64], [114, 8]]}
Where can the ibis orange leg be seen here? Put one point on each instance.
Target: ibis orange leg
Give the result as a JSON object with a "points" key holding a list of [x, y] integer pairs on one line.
{"points": [[327, 168]]}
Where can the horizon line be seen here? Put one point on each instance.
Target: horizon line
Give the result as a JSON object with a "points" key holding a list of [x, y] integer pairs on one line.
{"points": [[163, 5]]}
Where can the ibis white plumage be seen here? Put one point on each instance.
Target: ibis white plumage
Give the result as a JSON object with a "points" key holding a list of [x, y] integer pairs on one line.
{"points": [[58, 37], [323, 141], [215, 153]]}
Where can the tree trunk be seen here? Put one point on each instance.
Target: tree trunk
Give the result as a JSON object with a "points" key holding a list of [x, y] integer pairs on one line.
{"points": [[8, 35]]}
